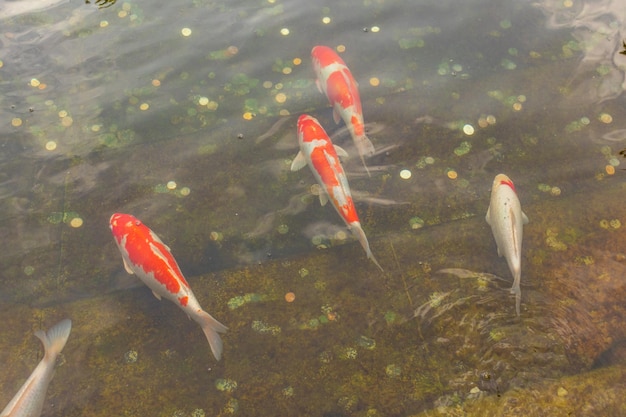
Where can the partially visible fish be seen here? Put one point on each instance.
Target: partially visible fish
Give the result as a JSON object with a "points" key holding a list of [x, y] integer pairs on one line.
{"points": [[506, 218], [28, 402], [147, 256], [318, 152], [336, 81]]}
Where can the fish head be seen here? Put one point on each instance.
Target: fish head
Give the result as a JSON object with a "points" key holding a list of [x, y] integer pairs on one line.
{"points": [[310, 131], [123, 225], [502, 180]]}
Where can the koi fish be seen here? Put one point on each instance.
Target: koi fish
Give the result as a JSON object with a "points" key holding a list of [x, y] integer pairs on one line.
{"points": [[28, 402], [318, 152], [336, 81], [147, 256], [506, 218]]}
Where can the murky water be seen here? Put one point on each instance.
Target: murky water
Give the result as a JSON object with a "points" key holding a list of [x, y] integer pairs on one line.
{"points": [[184, 115]]}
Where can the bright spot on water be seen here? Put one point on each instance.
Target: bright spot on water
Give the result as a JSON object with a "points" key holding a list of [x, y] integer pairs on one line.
{"points": [[171, 185], [203, 101], [156, 83], [104, 24], [341, 235], [341, 48], [610, 169], [284, 31], [286, 70], [405, 174], [62, 113], [468, 129], [568, 3], [429, 160], [517, 106], [280, 98], [326, 20], [186, 31], [247, 115], [185, 191], [374, 82], [16, 122], [67, 121], [52, 145], [316, 189], [267, 84], [297, 61], [375, 29], [585, 120], [606, 118], [122, 14], [491, 119], [34, 82], [144, 106], [452, 174], [76, 222]]}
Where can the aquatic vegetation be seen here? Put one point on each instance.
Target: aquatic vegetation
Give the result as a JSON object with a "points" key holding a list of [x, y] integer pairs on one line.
{"points": [[225, 385], [131, 356]]}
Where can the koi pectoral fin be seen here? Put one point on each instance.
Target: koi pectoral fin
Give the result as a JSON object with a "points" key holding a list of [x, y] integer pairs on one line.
{"points": [[341, 152], [127, 267], [323, 198], [336, 116], [298, 162], [157, 295], [524, 218]]}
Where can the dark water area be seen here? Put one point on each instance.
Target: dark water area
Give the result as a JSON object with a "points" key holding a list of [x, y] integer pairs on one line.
{"points": [[184, 114]]}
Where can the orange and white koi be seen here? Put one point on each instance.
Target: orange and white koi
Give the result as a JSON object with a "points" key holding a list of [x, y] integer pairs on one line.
{"points": [[147, 256], [28, 402], [318, 152], [506, 218], [336, 81]]}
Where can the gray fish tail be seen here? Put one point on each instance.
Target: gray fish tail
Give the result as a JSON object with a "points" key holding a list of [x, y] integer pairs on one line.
{"points": [[515, 289], [55, 338], [211, 328], [358, 231]]}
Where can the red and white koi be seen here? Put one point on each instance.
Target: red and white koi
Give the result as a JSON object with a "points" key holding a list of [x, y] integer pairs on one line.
{"points": [[317, 150], [506, 218], [147, 256], [336, 81], [28, 402]]}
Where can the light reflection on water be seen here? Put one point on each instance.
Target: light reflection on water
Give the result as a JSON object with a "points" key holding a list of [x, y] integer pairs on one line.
{"points": [[129, 104]]}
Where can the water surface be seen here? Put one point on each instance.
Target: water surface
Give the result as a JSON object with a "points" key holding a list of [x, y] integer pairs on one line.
{"points": [[184, 113]]}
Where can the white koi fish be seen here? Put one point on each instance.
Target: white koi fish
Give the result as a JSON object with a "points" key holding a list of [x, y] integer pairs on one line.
{"points": [[506, 218], [336, 81], [147, 256], [28, 402], [318, 152]]}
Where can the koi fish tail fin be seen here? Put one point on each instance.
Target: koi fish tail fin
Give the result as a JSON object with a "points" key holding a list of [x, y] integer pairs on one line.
{"points": [[357, 230], [365, 146], [515, 289], [211, 329], [55, 338], [366, 149]]}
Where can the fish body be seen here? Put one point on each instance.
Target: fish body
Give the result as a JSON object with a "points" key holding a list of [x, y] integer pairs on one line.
{"points": [[317, 150], [145, 255], [335, 80], [506, 218], [28, 402]]}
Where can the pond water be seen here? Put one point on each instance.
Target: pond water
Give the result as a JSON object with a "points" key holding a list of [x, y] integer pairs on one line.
{"points": [[184, 114]]}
